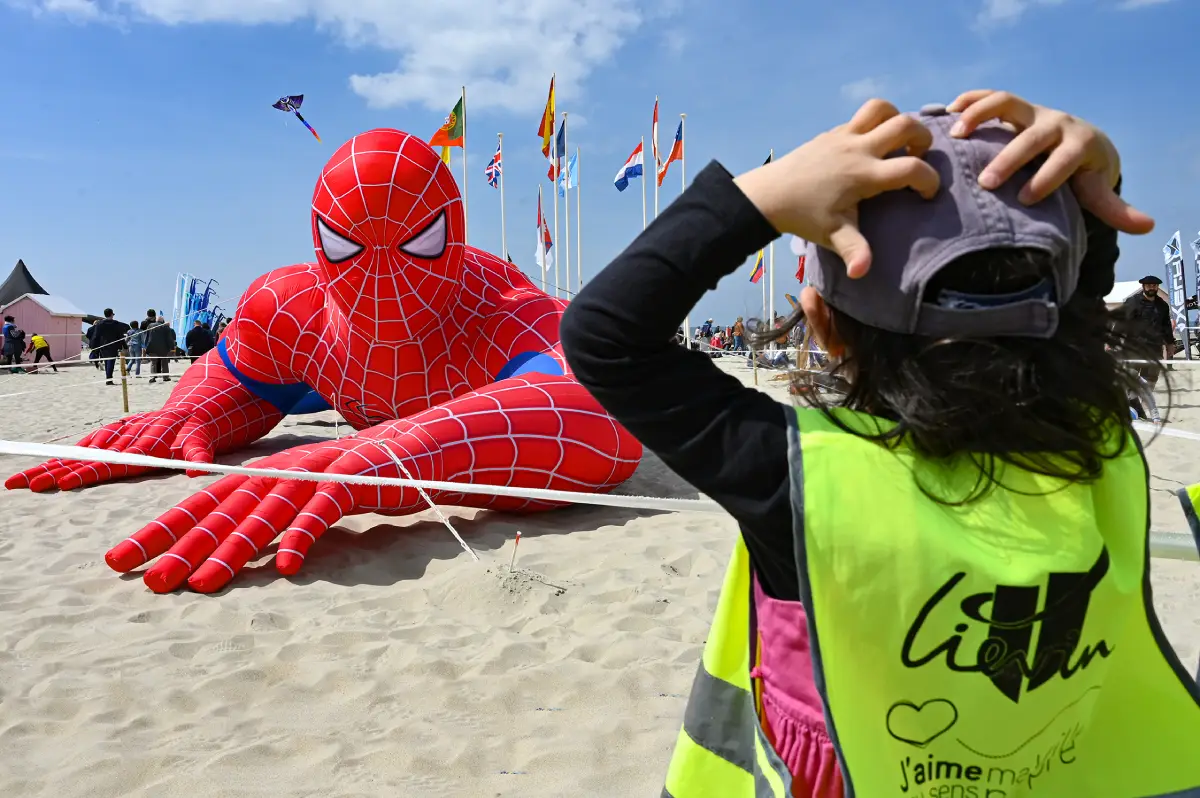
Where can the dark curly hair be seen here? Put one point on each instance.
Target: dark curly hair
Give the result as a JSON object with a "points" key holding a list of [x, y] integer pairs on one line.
{"points": [[1049, 406]]}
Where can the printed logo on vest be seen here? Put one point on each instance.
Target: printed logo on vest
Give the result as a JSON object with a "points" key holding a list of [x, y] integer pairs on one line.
{"points": [[1033, 634], [1012, 616]]}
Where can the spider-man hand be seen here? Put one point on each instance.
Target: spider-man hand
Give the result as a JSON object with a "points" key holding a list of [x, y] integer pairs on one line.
{"points": [[534, 431], [208, 412]]}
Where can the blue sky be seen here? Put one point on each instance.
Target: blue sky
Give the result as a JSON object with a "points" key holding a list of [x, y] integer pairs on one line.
{"points": [[137, 138]]}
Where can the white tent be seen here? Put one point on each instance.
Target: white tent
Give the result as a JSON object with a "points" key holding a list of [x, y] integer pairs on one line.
{"points": [[1125, 289]]}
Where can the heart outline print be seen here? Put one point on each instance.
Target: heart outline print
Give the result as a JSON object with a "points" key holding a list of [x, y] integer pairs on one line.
{"points": [[914, 725]]}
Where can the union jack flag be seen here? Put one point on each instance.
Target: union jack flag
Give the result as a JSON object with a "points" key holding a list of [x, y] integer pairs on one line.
{"points": [[495, 168]]}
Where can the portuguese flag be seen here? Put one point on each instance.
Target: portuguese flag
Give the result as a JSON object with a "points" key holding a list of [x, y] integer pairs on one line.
{"points": [[450, 134]]}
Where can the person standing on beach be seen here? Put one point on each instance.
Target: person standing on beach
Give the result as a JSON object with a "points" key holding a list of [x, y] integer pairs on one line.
{"points": [[961, 540], [12, 343], [1148, 326], [135, 342], [198, 341], [160, 346], [109, 339], [739, 335]]}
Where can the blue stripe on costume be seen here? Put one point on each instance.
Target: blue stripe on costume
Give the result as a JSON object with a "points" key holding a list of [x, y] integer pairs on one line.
{"points": [[294, 399], [530, 363]]}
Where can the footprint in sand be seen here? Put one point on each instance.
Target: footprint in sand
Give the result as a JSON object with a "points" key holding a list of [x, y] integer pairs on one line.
{"points": [[269, 622], [227, 646], [184, 650]]}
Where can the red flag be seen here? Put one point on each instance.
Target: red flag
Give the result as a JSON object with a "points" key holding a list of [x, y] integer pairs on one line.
{"points": [[800, 270], [546, 127], [675, 155]]}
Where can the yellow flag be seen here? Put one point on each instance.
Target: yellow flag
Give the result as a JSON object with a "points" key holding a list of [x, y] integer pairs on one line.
{"points": [[446, 155]]}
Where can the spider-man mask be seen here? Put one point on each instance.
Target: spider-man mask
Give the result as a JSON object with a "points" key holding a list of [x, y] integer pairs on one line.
{"points": [[388, 228]]}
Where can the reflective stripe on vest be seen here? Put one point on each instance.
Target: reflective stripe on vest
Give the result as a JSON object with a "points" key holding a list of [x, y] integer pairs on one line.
{"points": [[1189, 497], [721, 749], [1006, 648]]}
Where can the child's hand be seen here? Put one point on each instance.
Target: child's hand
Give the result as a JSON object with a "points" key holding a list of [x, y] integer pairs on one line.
{"points": [[1075, 150], [813, 191]]}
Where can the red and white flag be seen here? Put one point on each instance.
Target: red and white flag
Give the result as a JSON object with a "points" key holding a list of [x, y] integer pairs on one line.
{"points": [[654, 141], [676, 154], [544, 257]]}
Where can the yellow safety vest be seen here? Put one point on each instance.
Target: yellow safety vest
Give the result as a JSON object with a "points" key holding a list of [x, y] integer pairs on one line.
{"points": [[1189, 497], [1004, 649]]}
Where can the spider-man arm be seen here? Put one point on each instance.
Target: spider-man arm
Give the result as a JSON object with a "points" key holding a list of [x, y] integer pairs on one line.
{"points": [[520, 336], [531, 431], [229, 398]]}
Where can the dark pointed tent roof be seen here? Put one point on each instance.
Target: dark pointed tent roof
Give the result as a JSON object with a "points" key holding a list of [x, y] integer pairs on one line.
{"points": [[19, 283]]}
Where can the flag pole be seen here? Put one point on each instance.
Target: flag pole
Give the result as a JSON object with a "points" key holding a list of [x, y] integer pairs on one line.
{"points": [[464, 160], [771, 266], [564, 178], [554, 161], [687, 324], [682, 152], [655, 154], [578, 221], [644, 182], [503, 226]]}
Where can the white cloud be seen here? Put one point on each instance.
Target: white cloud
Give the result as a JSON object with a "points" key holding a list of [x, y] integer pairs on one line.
{"points": [[999, 12], [1130, 5], [863, 90], [674, 41], [504, 51], [74, 10]]}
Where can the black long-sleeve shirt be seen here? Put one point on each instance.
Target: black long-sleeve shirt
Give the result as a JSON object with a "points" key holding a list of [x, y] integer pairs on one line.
{"points": [[1149, 321], [620, 332]]}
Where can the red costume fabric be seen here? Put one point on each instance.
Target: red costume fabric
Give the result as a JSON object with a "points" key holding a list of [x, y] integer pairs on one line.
{"points": [[446, 359]]}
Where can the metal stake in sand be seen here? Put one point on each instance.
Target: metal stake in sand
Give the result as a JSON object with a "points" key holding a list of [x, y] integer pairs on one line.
{"points": [[516, 543], [124, 383]]}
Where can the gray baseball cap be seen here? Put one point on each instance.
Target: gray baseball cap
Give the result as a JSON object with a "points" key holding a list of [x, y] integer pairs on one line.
{"points": [[912, 239]]}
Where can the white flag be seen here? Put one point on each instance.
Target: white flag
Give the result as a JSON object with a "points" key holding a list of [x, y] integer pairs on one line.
{"points": [[543, 257]]}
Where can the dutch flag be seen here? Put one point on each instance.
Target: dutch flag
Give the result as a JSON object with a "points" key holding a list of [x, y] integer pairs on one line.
{"points": [[631, 169]]}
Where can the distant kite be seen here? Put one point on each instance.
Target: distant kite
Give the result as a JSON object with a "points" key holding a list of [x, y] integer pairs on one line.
{"points": [[291, 103]]}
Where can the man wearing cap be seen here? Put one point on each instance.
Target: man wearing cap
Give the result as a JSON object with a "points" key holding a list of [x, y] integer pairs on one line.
{"points": [[1149, 325]]}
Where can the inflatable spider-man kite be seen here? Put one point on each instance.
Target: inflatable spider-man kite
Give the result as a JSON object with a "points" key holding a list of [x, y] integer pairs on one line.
{"points": [[446, 358]]}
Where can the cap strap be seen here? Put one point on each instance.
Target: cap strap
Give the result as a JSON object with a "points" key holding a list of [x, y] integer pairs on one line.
{"points": [[1029, 318]]}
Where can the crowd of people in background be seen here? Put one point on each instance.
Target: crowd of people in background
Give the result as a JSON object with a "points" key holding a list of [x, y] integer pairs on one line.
{"points": [[150, 340], [720, 341]]}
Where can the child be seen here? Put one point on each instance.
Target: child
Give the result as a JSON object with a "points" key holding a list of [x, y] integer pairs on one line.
{"points": [[941, 587]]}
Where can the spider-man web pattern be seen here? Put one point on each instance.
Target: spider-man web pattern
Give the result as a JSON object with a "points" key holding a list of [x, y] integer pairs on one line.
{"points": [[445, 358]]}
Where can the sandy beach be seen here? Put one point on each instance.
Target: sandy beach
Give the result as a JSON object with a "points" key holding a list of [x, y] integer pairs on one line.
{"points": [[392, 665]]}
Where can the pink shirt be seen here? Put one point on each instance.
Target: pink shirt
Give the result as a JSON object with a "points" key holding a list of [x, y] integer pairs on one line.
{"points": [[794, 710]]}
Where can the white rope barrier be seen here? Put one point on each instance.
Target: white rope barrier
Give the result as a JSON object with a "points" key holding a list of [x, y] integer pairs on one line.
{"points": [[85, 359], [81, 453], [1159, 429], [1163, 545], [59, 387]]}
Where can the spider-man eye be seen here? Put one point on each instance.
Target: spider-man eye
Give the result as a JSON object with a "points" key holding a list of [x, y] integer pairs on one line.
{"points": [[336, 246], [430, 243]]}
